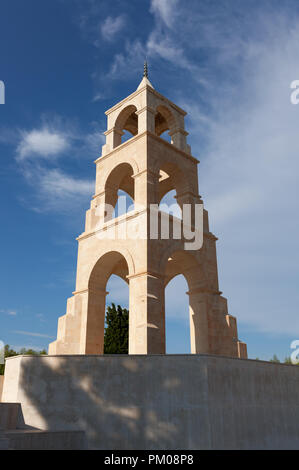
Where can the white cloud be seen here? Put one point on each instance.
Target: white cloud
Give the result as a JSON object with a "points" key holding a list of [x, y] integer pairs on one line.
{"points": [[37, 154], [98, 97], [165, 10], [12, 313], [42, 143], [129, 62], [28, 333], [57, 191], [94, 142], [57, 183], [112, 26]]}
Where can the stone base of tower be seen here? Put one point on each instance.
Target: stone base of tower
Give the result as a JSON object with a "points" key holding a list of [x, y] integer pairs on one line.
{"points": [[159, 402], [212, 329]]}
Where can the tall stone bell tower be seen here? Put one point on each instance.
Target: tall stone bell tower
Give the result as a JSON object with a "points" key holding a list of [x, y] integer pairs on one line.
{"points": [[146, 167]]}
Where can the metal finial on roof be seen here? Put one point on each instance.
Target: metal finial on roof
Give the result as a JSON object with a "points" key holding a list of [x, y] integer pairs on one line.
{"points": [[145, 70]]}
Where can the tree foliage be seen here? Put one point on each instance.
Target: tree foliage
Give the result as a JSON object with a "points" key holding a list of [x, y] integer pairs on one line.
{"points": [[8, 352], [116, 338]]}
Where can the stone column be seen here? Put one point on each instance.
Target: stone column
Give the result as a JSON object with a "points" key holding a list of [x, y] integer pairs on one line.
{"points": [[178, 139], [199, 328], [146, 188], [113, 139], [147, 315], [146, 120], [93, 322]]}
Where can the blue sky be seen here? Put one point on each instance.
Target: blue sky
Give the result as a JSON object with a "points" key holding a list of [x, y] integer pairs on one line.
{"points": [[230, 65]]}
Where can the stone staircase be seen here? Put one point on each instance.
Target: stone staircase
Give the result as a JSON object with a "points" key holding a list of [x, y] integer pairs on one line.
{"points": [[15, 435]]}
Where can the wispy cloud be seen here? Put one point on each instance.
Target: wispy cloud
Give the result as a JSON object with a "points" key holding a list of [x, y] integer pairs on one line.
{"points": [[112, 26], [12, 313], [56, 191], [41, 154], [28, 333], [165, 10]]}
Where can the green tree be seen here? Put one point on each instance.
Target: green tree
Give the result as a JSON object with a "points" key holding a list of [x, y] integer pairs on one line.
{"points": [[8, 352], [117, 330], [274, 359]]}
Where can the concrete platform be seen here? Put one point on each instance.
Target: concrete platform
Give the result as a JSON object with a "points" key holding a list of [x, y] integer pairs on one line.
{"points": [[45, 440], [16, 435], [159, 402]]}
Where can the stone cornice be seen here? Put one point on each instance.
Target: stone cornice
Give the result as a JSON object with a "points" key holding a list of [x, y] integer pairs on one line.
{"points": [[139, 136]]}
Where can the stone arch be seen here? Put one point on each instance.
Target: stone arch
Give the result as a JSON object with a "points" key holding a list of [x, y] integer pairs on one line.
{"points": [[188, 264], [164, 120], [182, 262], [127, 120], [119, 262], [120, 178], [172, 178]]}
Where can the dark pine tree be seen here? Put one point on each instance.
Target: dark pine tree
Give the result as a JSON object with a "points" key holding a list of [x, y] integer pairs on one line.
{"points": [[116, 331]]}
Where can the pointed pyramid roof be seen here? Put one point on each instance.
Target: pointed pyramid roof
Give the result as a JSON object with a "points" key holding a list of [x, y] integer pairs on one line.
{"points": [[145, 80]]}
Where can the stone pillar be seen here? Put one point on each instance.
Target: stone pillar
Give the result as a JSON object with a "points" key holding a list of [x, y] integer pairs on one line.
{"points": [[113, 139], [199, 328], [146, 188], [189, 200], [146, 120], [93, 322], [178, 139], [147, 315]]}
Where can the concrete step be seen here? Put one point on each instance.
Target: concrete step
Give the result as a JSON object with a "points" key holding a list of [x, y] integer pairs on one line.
{"points": [[46, 440], [11, 416], [4, 442], [15, 435]]}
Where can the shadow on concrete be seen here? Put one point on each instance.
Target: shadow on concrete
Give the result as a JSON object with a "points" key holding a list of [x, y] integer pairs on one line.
{"points": [[163, 402], [122, 402]]}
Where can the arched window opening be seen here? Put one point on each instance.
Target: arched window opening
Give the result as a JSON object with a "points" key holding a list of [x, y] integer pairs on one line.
{"points": [[117, 300], [124, 204], [111, 264], [126, 124], [182, 274], [162, 127], [164, 123], [177, 323], [127, 135], [119, 191], [165, 136], [172, 183], [169, 204]]}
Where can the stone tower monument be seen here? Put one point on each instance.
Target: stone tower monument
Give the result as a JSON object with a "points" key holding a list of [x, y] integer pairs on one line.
{"points": [[146, 167]]}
